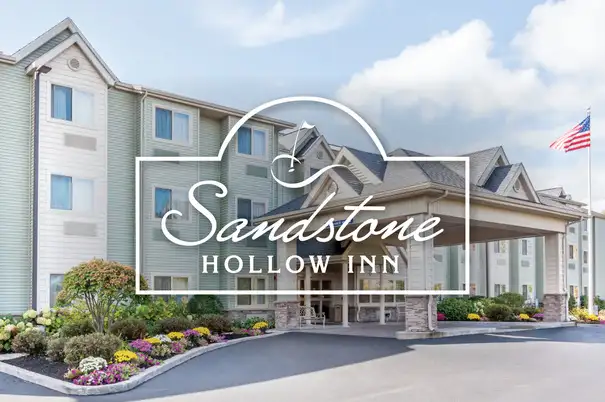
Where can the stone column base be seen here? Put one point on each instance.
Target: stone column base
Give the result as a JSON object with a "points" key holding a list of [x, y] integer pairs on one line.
{"points": [[286, 314], [554, 307], [417, 314]]}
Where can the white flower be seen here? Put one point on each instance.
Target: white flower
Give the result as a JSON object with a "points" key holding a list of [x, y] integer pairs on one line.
{"points": [[40, 320], [90, 364], [9, 328], [31, 314]]}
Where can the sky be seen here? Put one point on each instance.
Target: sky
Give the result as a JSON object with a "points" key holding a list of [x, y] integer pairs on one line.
{"points": [[436, 76]]}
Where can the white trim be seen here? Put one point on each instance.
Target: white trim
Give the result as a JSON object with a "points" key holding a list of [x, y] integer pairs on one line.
{"points": [[252, 130], [320, 139], [319, 187], [491, 166], [189, 143], [172, 190], [253, 285], [521, 174], [75, 39], [385, 279], [67, 23]]}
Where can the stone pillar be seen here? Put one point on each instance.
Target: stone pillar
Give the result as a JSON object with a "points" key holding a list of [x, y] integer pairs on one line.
{"points": [[420, 311], [555, 298], [287, 306]]}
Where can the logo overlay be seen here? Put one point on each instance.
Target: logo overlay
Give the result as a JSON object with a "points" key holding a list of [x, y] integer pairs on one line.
{"points": [[340, 230]]}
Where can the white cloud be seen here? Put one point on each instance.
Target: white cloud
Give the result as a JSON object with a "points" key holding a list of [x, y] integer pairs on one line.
{"points": [[250, 26], [560, 72]]}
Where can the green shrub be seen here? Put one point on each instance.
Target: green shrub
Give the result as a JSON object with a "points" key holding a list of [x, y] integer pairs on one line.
{"points": [[205, 304], [499, 312], [583, 301], [77, 327], [32, 342], [56, 349], [572, 302], [510, 299], [129, 329], [249, 323], [173, 324], [95, 345], [214, 322], [517, 310], [455, 308]]}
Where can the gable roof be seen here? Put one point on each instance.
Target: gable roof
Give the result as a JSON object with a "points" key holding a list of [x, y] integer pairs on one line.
{"points": [[76, 38], [372, 161]]}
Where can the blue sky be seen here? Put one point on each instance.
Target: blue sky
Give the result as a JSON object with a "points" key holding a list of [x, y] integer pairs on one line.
{"points": [[436, 76]]}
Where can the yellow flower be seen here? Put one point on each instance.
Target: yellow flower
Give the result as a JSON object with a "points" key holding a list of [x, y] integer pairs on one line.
{"points": [[153, 341], [122, 356], [523, 317], [175, 336], [203, 331], [473, 317], [592, 317], [260, 325]]}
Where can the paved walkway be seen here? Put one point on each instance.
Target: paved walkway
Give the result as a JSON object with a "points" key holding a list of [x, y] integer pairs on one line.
{"points": [[545, 365]]}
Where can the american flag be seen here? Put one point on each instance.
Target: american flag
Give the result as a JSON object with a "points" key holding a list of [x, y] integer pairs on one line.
{"points": [[576, 138]]}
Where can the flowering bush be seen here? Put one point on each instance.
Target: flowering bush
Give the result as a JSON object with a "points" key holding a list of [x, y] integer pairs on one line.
{"points": [[141, 345], [203, 331], [30, 342], [473, 317], [72, 373], [152, 341], [163, 338], [145, 361], [91, 364], [260, 325], [216, 339], [175, 336], [592, 318], [110, 375], [161, 350], [9, 330], [122, 356], [538, 316], [440, 317], [178, 347], [523, 317], [190, 333]]}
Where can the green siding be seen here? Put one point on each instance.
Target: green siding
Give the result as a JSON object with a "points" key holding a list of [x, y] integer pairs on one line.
{"points": [[15, 189], [122, 131]]}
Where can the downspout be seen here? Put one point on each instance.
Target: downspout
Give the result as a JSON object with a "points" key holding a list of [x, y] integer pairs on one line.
{"points": [[141, 141], [430, 301], [36, 140]]}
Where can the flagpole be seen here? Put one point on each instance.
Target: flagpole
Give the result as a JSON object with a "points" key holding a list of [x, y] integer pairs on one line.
{"points": [[589, 228]]}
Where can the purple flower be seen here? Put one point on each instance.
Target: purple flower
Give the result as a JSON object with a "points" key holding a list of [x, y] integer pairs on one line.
{"points": [[190, 332], [177, 347], [141, 345]]}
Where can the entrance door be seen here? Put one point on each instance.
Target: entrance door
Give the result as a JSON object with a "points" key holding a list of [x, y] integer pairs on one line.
{"points": [[320, 303]]}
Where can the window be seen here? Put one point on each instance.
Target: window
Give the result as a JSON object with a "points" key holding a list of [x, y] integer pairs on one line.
{"points": [[585, 290], [251, 283], [171, 126], [571, 252], [464, 286], [585, 257], [56, 284], [499, 289], [572, 230], [67, 193], [166, 199], [171, 283], [251, 141], [524, 247], [248, 209], [72, 105], [525, 292], [374, 284]]}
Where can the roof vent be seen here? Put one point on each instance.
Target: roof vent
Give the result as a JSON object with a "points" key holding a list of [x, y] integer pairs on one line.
{"points": [[320, 155], [517, 186], [74, 64]]}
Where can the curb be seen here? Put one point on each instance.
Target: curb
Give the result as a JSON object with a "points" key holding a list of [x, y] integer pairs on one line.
{"points": [[69, 388], [404, 335]]}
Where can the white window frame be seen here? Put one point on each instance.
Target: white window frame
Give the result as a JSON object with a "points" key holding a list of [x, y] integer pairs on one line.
{"points": [[88, 90], [525, 244], [385, 279], [50, 274], [71, 211], [267, 139], [253, 298], [189, 142], [172, 189], [252, 202], [570, 252]]}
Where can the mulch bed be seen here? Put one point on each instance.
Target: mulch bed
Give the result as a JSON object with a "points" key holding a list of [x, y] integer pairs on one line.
{"points": [[40, 365]]}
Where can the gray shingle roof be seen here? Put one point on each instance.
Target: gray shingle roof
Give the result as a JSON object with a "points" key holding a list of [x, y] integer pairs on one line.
{"points": [[396, 175]]}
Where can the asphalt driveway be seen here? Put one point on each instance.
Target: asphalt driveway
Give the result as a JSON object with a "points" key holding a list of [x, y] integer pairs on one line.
{"points": [[545, 365]]}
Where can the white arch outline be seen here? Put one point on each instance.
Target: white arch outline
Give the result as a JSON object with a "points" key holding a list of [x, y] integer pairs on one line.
{"points": [[380, 148]]}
